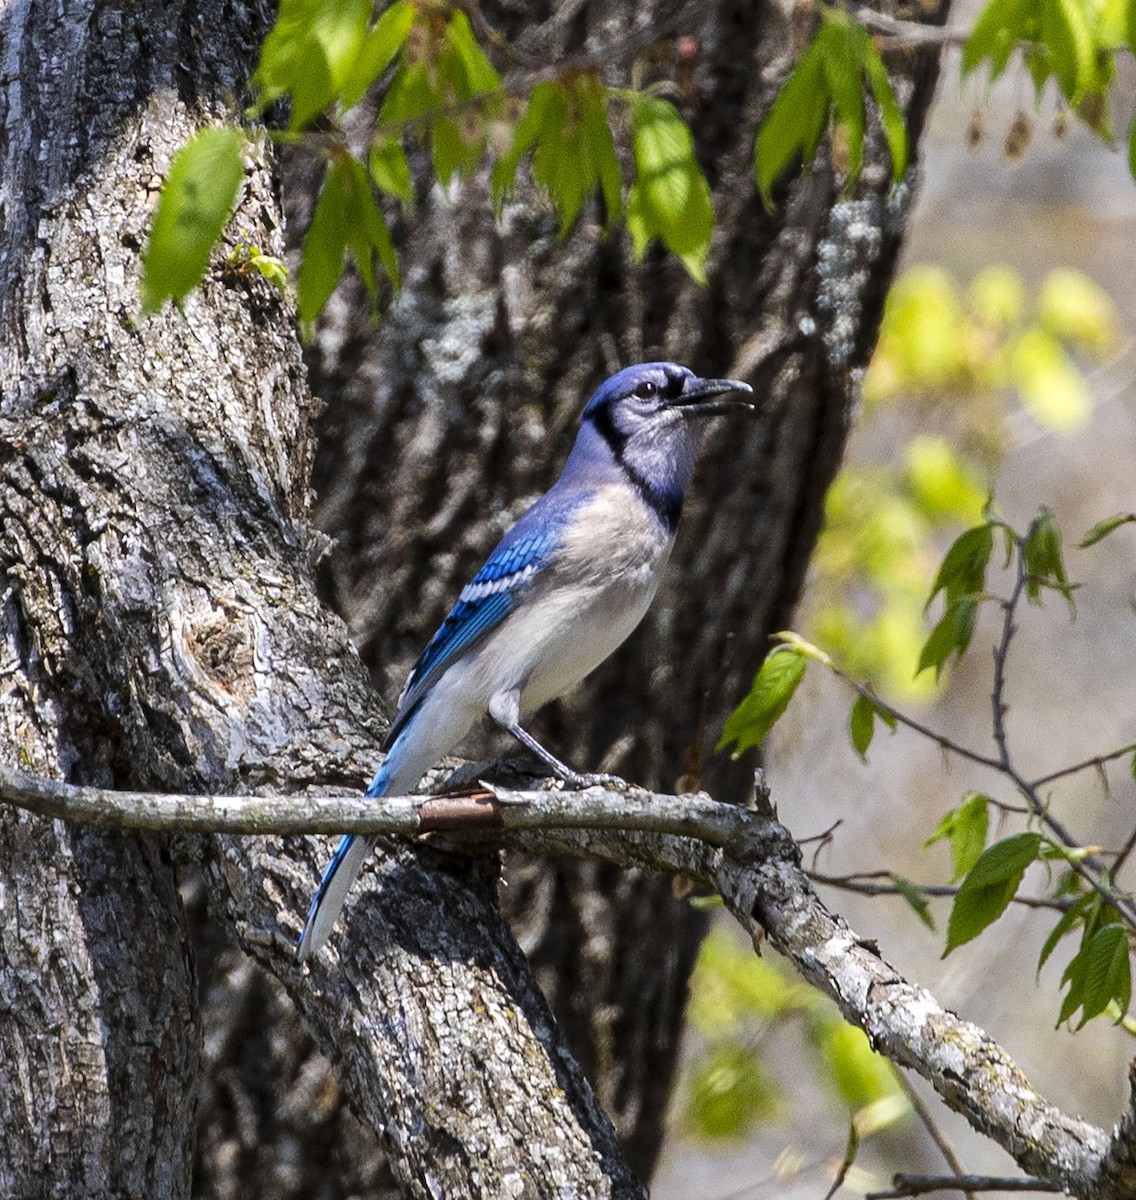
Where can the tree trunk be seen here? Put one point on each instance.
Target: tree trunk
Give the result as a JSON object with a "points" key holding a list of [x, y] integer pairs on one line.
{"points": [[445, 420], [159, 626]]}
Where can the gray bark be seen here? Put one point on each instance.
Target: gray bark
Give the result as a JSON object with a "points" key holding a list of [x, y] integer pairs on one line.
{"points": [[447, 419], [741, 854], [159, 626]]}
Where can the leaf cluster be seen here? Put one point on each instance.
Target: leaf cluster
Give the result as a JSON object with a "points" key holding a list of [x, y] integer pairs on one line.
{"points": [[829, 85], [437, 88], [989, 876]]}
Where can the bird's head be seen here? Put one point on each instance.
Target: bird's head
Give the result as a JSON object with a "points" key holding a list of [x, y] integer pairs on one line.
{"points": [[649, 418]]}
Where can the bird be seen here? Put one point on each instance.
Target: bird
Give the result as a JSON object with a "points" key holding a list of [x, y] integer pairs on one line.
{"points": [[563, 588]]}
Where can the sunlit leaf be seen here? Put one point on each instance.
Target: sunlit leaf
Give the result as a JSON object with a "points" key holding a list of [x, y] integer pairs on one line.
{"points": [[729, 1092], [860, 1075], [669, 198], [943, 484], [772, 689], [1066, 34], [197, 198], [566, 128], [989, 887], [322, 260], [310, 53], [378, 50], [795, 122], [1078, 311], [389, 168], [842, 72], [999, 28], [891, 118], [965, 828]]}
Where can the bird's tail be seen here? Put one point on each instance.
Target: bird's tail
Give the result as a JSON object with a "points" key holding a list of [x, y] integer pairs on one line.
{"points": [[341, 873]]}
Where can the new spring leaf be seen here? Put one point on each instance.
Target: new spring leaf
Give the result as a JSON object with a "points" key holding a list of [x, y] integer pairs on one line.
{"points": [[197, 199]]}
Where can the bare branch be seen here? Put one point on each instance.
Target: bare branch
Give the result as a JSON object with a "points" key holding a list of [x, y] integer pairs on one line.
{"points": [[920, 1185], [898, 33], [865, 884], [744, 855]]}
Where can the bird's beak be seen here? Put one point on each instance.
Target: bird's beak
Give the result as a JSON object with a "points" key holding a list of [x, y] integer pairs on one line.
{"points": [[695, 400]]}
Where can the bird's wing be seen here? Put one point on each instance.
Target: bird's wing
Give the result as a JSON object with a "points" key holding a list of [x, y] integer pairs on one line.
{"points": [[485, 601]]}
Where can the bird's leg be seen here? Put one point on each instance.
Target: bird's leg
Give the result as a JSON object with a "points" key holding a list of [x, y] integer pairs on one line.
{"points": [[505, 710]]}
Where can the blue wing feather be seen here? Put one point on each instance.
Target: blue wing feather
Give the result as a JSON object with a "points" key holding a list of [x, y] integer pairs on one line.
{"points": [[485, 602]]}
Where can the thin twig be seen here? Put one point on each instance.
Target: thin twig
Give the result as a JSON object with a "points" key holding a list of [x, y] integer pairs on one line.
{"points": [[899, 33], [1090, 868], [1097, 761], [919, 1185], [946, 743], [937, 1135], [1126, 850], [860, 883]]}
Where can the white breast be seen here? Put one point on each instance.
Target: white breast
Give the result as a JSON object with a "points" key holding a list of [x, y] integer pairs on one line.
{"points": [[589, 599]]}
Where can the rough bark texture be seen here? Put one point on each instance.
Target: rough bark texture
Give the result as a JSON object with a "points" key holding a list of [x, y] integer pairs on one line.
{"points": [[742, 854], [449, 417], [159, 628]]}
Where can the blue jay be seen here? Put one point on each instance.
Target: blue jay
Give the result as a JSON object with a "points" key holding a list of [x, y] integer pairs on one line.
{"points": [[564, 587]]}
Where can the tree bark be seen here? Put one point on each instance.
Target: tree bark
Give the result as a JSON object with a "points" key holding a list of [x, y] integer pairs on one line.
{"points": [[159, 626], [160, 629], [445, 420]]}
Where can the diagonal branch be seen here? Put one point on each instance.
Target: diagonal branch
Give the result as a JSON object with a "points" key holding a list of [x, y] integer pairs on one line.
{"points": [[743, 854]]}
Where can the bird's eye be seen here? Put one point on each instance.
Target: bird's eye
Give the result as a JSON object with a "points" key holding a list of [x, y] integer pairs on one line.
{"points": [[646, 390]]}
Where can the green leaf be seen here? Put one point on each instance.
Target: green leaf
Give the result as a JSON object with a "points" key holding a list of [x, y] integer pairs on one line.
{"points": [[321, 263], [1102, 529], [891, 117], [378, 50], [1108, 972], [670, 198], [368, 233], [452, 70], [1044, 559], [951, 635], [197, 199], [1074, 976], [965, 828], [478, 71], [773, 688], [543, 116], [1065, 925], [915, 898], [389, 168], [729, 1091], [794, 124], [842, 66], [310, 54], [1066, 34], [862, 723], [595, 132], [1000, 27], [963, 570], [989, 887]]}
